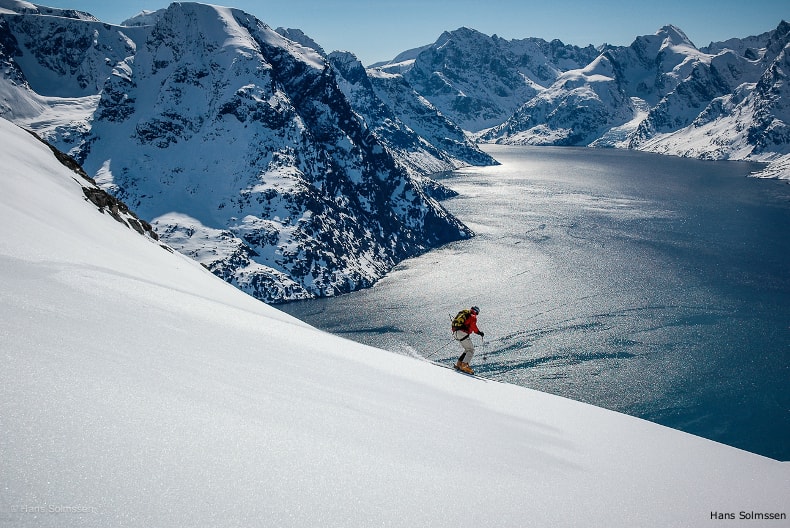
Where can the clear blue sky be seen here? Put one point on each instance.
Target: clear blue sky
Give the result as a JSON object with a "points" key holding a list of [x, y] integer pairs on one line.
{"points": [[377, 30]]}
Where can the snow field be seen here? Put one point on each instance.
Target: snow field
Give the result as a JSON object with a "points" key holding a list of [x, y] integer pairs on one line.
{"points": [[140, 390]]}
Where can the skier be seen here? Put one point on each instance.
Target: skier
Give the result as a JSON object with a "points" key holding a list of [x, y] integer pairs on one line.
{"points": [[464, 325]]}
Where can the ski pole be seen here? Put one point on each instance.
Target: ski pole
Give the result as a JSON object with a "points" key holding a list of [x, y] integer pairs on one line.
{"points": [[438, 349]]}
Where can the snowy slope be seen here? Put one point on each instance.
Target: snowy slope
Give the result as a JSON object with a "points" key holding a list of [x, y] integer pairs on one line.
{"points": [[140, 390]]}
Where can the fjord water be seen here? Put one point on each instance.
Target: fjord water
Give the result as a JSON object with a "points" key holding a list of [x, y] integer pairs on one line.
{"points": [[652, 285]]}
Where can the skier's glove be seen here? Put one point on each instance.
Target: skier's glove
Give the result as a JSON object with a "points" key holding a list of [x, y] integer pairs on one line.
{"points": [[480, 334]]}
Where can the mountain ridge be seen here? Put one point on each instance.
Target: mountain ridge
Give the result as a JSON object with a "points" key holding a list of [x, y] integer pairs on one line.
{"points": [[658, 92], [652, 95], [308, 203]]}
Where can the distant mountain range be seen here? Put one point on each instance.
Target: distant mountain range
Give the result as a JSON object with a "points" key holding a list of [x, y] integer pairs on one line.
{"points": [[660, 94], [293, 173]]}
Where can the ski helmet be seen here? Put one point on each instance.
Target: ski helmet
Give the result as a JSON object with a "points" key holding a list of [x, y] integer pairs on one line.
{"points": [[476, 310]]}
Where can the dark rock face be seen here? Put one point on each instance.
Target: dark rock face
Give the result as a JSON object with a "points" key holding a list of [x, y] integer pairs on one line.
{"points": [[105, 202]]}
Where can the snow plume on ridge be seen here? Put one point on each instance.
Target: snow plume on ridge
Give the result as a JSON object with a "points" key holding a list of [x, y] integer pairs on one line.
{"points": [[207, 115], [139, 390]]}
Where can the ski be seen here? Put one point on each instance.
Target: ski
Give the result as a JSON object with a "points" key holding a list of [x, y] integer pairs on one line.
{"points": [[454, 368], [465, 372]]}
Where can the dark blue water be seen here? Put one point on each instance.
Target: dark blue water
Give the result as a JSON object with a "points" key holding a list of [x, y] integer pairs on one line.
{"points": [[651, 285]]}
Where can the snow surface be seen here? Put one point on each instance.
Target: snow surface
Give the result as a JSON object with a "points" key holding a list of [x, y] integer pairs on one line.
{"points": [[140, 390], [779, 169]]}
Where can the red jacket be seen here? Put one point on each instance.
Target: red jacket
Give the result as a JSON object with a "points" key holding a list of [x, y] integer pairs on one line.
{"points": [[470, 325]]}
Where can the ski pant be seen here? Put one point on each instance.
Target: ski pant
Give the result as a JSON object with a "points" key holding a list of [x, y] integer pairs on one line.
{"points": [[466, 342]]}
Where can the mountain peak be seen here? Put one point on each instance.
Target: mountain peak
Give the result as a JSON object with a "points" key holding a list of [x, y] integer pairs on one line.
{"points": [[299, 36], [143, 18], [674, 36], [462, 33], [27, 8], [234, 141]]}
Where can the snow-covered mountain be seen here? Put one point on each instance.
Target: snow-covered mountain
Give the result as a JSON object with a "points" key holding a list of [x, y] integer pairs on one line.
{"points": [[660, 94], [28, 8], [578, 108], [139, 390], [415, 132], [750, 121], [663, 94], [478, 81], [236, 143], [409, 126]]}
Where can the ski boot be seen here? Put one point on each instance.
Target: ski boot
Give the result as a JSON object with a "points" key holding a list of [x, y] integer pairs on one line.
{"points": [[464, 367]]}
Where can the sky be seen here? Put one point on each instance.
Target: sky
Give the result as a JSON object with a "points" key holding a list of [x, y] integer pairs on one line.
{"points": [[378, 30]]}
